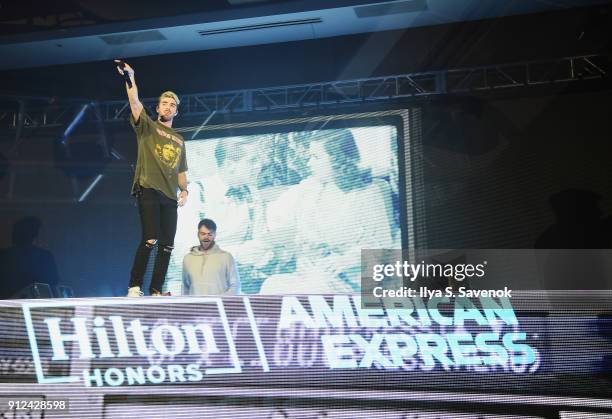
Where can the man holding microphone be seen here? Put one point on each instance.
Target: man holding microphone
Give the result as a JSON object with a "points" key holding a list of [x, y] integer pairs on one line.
{"points": [[161, 172]]}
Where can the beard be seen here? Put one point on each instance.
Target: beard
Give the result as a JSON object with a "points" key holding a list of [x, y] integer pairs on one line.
{"points": [[164, 118], [207, 245]]}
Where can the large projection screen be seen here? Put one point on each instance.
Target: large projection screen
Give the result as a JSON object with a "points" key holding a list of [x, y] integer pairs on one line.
{"points": [[296, 205]]}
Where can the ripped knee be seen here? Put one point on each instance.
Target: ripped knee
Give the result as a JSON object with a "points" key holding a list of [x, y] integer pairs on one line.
{"points": [[166, 248], [150, 243]]}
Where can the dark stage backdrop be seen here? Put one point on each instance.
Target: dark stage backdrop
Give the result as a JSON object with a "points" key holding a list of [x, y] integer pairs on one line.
{"points": [[499, 173], [483, 178]]}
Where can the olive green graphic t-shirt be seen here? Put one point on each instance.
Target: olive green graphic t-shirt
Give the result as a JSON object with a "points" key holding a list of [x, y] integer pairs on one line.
{"points": [[161, 156]]}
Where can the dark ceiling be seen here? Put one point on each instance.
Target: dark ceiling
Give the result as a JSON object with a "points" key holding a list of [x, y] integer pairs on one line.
{"points": [[71, 61], [30, 15]]}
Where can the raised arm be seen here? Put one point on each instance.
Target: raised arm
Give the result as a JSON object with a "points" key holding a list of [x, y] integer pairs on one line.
{"points": [[132, 92]]}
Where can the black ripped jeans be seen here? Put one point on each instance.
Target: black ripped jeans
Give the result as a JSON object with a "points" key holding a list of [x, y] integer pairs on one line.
{"points": [[158, 222]]}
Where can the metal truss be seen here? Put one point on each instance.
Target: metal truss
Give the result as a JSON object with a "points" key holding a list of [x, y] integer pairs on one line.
{"points": [[45, 112], [24, 115]]}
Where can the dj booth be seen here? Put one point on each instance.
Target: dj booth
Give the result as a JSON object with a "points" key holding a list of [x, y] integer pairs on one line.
{"points": [[536, 355]]}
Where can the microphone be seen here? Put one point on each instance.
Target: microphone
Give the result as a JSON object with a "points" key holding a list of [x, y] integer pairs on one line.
{"points": [[126, 76]]}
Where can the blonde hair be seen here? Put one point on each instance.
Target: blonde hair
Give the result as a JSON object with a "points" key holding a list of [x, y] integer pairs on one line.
{"points": [[170, 95]]}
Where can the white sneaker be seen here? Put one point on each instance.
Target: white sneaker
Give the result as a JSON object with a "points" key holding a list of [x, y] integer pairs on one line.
{"points": [[134, 292]]}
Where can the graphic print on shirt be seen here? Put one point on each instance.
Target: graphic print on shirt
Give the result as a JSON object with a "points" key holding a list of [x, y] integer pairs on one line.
{"points": [[169, 154]]}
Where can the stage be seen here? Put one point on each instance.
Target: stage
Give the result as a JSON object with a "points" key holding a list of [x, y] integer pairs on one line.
{"points": [[304, 355], [356, 208]]}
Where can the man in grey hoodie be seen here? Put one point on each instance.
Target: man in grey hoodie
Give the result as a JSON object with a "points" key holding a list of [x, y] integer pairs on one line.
{"points": [[207, 269]]}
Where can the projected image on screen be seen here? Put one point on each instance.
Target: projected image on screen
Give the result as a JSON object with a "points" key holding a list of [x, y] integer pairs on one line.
{"points": [[294, 208]]}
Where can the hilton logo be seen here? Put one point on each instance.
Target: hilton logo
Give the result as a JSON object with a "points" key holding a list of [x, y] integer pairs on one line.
{"points": [[183, 337], [122, 345]]}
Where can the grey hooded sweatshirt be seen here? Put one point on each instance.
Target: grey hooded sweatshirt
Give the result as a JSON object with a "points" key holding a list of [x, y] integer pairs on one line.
{"points": [[210, 272]]}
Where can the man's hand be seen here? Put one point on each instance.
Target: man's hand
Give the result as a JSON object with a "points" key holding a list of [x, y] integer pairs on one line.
{"points": [[182, 198], [126, 67], [132, 90]]}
